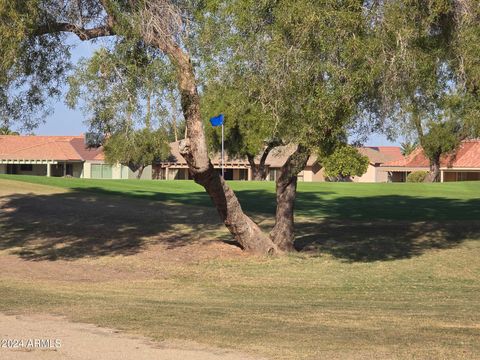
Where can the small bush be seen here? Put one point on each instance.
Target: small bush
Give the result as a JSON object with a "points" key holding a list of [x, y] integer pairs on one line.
{"points": [[417, 176]]}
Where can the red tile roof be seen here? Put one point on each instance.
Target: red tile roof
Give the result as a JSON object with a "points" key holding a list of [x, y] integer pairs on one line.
{"points": [[59, 148], [466, 156], [381, 154], [85, 153]]}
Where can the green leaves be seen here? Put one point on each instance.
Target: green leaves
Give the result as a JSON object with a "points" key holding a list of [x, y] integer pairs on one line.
{"points": [[344, 163], [32, 67], [301, 67], [441, 138], [123, 87], [247, 127], [137, 149]]}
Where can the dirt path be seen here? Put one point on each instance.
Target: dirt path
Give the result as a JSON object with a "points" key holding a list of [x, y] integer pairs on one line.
{"points": [[85, 341]]}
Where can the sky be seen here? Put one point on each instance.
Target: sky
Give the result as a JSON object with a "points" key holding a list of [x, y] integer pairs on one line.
{"points": [[65, 121]]}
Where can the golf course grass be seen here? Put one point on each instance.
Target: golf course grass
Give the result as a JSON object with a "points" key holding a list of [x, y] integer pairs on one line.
{"points": [[386, 271]]}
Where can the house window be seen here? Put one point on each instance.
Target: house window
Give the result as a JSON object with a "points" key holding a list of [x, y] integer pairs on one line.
{"points": [[101, 171], [242, 174], [26, 167]]}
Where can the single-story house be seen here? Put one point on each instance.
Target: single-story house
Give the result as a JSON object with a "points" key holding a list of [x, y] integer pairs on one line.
{"points": [[462, 165], [175, 168], [377, 156], [69, 156], [239, 168], [58, 156]]}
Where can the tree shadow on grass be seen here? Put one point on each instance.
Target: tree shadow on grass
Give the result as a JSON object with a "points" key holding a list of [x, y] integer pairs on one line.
{"points": [[98, 222], [81, 224], [380, 240], [386, 227], [388, 207], [325, 204]]}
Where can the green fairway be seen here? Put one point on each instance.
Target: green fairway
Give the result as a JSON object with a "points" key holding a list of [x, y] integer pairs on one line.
{"points": [[354, 201], [373, 280]]}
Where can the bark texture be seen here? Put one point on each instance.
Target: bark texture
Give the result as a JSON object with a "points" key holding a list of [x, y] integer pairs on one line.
{"points": [[283, 233], [194, 149], [161, 25]]}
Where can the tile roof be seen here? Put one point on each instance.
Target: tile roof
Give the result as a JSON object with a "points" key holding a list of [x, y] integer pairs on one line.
{"points": [[78, 143], [276, 158], [466, 156], [381, 154], [59, 148]]}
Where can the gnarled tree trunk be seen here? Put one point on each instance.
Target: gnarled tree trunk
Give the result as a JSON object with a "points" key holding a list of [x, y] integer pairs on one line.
{"points": [[283, 233], [158, 29], [194, 149]]}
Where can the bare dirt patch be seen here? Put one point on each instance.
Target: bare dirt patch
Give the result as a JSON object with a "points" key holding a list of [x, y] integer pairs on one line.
{"points": [[84, 342]]}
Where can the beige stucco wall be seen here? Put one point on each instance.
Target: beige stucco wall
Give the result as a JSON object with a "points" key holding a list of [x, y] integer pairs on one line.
{"points": [[373, 174], [370, 176], [146, 175], [382, 176], [117, 171], [319, 176], [87, 170], [308, 175]]}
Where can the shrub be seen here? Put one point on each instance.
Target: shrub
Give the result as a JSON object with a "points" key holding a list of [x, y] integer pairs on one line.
{"points": [[417, 176], [344, 163]]}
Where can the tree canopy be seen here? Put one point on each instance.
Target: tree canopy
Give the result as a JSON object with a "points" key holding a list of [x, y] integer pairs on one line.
{"points": [[137, 148], [344, 163], [429, 73], [315, 72]]}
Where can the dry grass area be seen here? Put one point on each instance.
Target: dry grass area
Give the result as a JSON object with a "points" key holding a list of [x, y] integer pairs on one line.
{"points": [[359, 290]]}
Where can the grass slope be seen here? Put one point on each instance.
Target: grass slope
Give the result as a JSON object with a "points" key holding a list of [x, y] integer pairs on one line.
{"points": [[422, 303], [287, 308], [354, 201]]}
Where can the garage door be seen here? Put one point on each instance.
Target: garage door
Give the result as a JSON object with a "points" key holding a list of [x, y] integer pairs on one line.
{"points": [[101, 171]]}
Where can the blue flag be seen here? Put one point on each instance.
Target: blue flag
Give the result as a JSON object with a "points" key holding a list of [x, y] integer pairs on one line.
{"points": [[217, 120]]}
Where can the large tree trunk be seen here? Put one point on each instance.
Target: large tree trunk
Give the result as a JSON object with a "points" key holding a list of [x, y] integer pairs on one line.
{"points": [[194, 149], [283, 233]]}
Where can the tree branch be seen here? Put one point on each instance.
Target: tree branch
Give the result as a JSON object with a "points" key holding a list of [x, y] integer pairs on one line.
{"points": [[82, 33]]}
